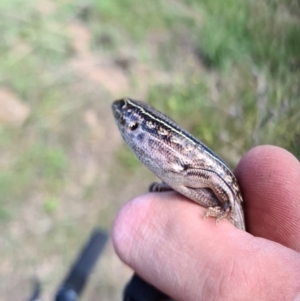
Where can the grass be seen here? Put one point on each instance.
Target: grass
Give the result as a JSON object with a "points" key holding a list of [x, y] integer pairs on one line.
{"points": [[244, 41], [228, 71]]}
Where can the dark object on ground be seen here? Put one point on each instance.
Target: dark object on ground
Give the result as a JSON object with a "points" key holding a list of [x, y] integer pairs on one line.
{"points": [[73, 285]]}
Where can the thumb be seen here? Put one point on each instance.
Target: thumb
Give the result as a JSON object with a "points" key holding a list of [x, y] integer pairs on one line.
{"points": [[164, 238]]}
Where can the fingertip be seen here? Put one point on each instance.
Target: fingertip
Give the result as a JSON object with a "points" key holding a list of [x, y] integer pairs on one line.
{"points": [[265, 156], [129, 227], [264, 167], [269, 177], [122, 229]]}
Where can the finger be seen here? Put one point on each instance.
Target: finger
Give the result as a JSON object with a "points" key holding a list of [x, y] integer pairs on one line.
{"points": [[165, 239], [269, 178]]}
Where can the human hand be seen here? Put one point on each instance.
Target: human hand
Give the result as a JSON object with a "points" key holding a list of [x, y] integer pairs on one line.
{"points": [[164, 238]]}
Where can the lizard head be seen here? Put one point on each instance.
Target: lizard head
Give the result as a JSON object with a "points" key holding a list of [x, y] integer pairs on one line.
{"points": [[153, 137], [126, 116]]}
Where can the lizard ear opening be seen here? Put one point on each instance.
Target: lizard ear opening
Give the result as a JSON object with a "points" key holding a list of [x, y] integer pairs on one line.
{"points": [[179, 166], [185, 166], [176, 168]]}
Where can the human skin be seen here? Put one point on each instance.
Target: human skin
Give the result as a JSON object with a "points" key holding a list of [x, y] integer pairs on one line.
{"points": [[166, 240]]}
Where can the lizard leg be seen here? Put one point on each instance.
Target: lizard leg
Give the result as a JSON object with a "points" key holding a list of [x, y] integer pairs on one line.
{"points": [[202, 178], [159, 187], [204, 196], [218, 212]]}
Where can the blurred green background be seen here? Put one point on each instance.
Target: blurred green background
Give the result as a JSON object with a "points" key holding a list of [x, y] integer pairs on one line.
{"points": [[228, 71]]}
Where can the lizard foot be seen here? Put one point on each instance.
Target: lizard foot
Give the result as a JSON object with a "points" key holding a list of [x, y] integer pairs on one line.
{"points": [[218, 212], [159, 187]]}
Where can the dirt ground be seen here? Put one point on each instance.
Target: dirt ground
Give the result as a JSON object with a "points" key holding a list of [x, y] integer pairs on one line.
{"points": [[38, 245]]}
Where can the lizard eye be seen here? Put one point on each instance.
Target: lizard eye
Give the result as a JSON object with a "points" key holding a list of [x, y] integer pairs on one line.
{"points": [[133, 126]]}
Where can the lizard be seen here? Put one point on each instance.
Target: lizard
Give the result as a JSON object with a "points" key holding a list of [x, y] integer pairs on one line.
{"points": [[181, 161]]}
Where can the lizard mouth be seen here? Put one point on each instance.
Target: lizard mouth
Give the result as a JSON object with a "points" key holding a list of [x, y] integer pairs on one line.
{"points": [[117, 108]]}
